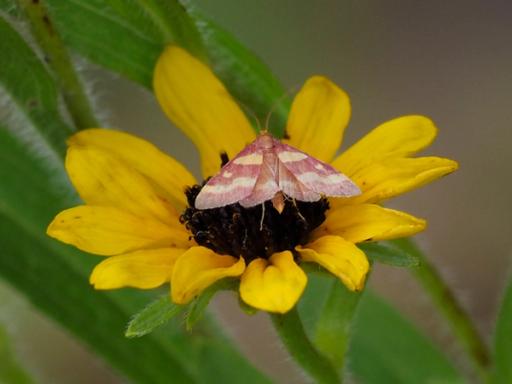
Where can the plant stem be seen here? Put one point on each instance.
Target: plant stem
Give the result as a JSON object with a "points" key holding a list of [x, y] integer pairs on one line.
{"points": [[292, 334], [58, 59], [457, 317]]}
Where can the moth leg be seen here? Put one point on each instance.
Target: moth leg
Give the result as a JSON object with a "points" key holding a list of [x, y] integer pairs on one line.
{"points": [[297, 209], [262, 215]]}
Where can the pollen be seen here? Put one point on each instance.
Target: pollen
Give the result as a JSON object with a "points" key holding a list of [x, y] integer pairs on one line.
{"points": [[252, 232]]}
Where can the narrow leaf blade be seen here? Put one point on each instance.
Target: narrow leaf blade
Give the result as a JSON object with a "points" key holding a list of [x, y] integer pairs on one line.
{"points": [[174, 23], [153, 316], [110, 34], [388, 253]]}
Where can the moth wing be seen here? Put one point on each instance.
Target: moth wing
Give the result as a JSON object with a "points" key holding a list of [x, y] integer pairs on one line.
{"points": [[313, 175], [234, 182], [266, 186], [291, 186]]}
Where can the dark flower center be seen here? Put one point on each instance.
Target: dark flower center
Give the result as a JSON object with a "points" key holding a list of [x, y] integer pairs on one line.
{"points": [[252, 232]]}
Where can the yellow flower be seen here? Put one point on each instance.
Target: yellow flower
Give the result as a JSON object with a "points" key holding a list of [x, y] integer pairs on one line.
{"points": [[134, 194]]}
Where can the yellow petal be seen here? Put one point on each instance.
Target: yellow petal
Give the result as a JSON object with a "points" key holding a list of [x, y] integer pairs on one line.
{"points": [[368, 222], [273, 285], [142, 269], [199, 104], [399, 137], [392, 177], [110, 231], [102, 179], [340, 257], [318, 117], [165, 173], [197, 269]]}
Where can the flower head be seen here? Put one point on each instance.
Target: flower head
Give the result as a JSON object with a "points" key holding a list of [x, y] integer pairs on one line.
{"points": [[139, 202]]}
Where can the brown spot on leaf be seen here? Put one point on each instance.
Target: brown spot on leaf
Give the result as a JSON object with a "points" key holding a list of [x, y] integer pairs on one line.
{"points": [[32, 103], [48, 23]]}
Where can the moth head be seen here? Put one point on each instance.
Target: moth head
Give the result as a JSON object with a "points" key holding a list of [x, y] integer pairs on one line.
{"points": [[265, 140]]}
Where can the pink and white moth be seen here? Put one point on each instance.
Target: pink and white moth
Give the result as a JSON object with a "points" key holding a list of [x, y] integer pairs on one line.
{"points": [[265, 170]]}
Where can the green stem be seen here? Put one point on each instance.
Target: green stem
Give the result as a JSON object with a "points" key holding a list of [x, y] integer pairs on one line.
{"points": [[58, 59], [457, 317], [292, 334]]}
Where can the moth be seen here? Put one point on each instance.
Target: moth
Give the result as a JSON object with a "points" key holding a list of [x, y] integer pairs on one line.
{"points": [[267, 169]]}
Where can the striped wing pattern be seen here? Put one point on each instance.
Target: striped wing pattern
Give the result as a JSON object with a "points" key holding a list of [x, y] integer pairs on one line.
{"points": [[266, 186], [262, 169], [305, 178], [235, 181]]}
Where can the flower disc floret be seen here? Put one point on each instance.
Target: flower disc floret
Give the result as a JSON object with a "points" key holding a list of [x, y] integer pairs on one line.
{"points": [[252, 232]]}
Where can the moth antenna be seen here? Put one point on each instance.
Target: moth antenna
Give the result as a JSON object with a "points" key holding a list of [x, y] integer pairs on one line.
{"points": [[253, 115], [262, 215], [275, 104]]}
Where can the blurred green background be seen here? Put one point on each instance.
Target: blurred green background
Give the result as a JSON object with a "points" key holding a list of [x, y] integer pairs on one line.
{"points": [[450, 61]]}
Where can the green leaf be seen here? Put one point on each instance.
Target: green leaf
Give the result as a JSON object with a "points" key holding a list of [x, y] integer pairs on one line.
{"points": [[153, 316], [127, 38], [198, 306], [118, 35], [390, 254], [11, 371], [386, 348], [314, 299], [32, 90], [333, 325], [502, 370]]}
